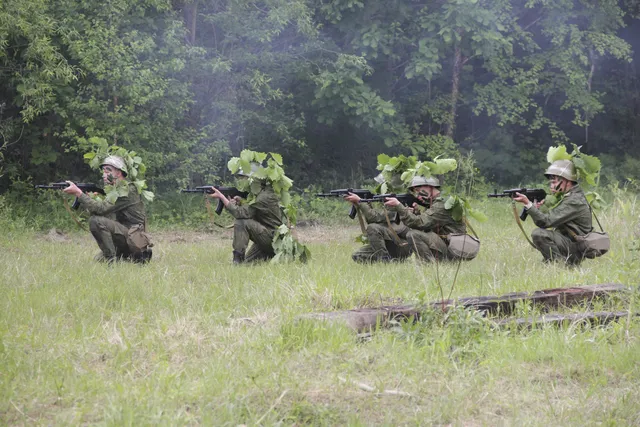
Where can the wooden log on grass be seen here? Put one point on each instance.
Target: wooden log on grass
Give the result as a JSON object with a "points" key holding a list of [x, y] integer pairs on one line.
{"points": [[592, 318], [366, 319]]}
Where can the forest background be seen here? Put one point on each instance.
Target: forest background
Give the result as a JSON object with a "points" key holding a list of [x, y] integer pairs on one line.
{"points": [[327, 84]]}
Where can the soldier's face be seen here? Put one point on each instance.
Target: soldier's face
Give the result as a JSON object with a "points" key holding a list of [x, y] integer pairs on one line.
{"points": [[558, 184], [424, 191], [111, 175]]}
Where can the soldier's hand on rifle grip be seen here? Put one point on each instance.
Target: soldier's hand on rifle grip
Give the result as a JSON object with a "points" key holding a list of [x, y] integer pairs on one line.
{"points": [[353, 198], [391, 202], [538, 204], [72, 189], [521, 198]]}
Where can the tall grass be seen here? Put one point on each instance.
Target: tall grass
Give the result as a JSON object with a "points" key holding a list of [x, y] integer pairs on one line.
{"points": [[191, 339]]}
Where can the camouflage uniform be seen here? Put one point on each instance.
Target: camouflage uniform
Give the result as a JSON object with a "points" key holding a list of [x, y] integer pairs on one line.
{"points": [[110, 223], [572, 213], [427, 229], [256, 222], [383, 245]]}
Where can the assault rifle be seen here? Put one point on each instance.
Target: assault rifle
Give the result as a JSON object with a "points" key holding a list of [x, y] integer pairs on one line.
{"points": [[533, 194], [84, 186], [360, 192], [229, 193], [406, 199]]}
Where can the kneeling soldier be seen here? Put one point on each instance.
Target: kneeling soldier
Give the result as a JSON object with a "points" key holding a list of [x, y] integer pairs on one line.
{"points": [[569, 218], [256, 222], [386, 240], [429, 230], [111, 223]]}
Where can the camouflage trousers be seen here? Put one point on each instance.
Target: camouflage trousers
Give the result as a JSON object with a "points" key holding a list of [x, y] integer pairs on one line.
{"points": [[383, 245], [429, 246], [249, 230], [555, 246], [111, 237]]}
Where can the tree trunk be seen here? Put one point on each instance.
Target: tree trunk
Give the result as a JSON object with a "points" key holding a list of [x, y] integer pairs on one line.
{"points": [[458, 62], [190, 12]]}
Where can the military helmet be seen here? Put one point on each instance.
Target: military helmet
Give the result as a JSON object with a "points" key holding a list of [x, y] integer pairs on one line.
{"points": [[419, 181], [254, 167], [115, 161], [563, 168]]}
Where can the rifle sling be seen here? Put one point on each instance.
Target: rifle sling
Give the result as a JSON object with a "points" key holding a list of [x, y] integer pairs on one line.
{"points": [[466, 221], [211, 217], [361, 220], [393, 232], [517, 217], [73, 217]]}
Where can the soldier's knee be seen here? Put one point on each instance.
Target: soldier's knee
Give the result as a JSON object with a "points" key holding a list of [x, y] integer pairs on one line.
{"points": [[240, 224], [375, 229], [95, 223], [539, 235]]}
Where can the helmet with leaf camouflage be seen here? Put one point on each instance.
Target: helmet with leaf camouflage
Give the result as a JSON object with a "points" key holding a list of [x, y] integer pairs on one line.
{"points": [[419, 181], [115, 161], [254, 166], [563, 168]]}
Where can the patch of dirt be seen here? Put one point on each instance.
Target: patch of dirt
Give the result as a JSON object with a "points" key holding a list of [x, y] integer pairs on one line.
{"points": [[56, 236]]}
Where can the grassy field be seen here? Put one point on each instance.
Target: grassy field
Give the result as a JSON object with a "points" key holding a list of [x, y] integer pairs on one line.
{"points": [[191, 339]]}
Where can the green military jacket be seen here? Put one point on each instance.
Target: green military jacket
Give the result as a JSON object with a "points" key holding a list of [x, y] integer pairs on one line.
{"points": [[127, 210], [572, 213], [265, 209], [377, 216], [436, 219]]}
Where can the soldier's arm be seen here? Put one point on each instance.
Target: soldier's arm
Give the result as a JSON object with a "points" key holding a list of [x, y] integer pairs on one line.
{"points": [[568, 210], [262, 203], [102, 208], [427, 220], [372, 216]]}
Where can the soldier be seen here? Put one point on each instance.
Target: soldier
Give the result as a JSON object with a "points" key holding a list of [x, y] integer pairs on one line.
{"points": [[385, 242], [111, 223], [429, 230], [571, 216], [256, 222]]}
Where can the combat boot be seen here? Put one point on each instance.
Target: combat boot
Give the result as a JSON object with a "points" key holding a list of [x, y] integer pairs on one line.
{"points": [[238, 257]]}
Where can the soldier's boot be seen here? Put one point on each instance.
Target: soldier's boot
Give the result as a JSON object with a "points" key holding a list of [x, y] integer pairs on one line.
{"points": [[143, 257], [238, 257]]}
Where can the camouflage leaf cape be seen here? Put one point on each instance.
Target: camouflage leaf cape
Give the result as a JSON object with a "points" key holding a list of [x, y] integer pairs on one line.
{"points": [[251, 165], [135, 169]]}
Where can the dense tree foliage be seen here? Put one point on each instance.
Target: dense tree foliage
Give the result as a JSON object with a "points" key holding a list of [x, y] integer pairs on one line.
{"points": [[328, 84]]}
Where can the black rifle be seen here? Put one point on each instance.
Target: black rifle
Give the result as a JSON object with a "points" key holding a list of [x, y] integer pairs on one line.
{"points": [[533, 194], [406, 199], [360, 192], [228, 192], [84, 186]]}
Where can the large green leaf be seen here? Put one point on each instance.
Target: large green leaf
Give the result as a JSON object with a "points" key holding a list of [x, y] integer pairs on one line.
{"points": [[558, 153]]}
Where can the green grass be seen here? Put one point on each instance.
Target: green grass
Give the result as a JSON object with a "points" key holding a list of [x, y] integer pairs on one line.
{"points": [[191, 339]]}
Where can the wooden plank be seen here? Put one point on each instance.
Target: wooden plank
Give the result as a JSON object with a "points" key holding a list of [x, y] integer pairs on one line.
{"points": [[365, 319], [594, 318]]}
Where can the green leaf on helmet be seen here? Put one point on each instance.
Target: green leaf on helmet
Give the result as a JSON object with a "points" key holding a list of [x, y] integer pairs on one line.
{"points": [[277, 157], [557, 153], [245, 166], [260, 173], [444, 165], [233, 164], [247, 156]]}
